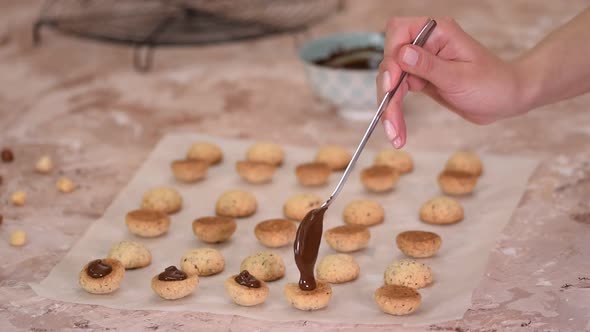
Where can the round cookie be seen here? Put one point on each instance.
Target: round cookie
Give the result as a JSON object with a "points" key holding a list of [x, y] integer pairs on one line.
{"points": [[337, 269], [336, 157], [316, 299], [409, 273], [275, 233], [418, 244], [456, 183], [465, 162], [245, 290], [202, 262], [266, 152], [313, 174], [102, 276], [399, 160], [174, 284], [348, 238], [441, 211], [265, 265], [297, 206], [363, 212], [147, 223], [397, 300], [207, 152], [236, 204], [163, 199], [379, 178], [214, 229], [255, 171], [132, 255], [189, 170]]}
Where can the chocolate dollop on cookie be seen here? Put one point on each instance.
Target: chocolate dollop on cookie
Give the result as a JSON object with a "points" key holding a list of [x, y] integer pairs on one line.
{"points": [[98, 269], [248, 280], [171, 273]]}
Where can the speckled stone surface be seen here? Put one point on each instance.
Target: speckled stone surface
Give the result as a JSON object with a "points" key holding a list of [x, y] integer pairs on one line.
{"points": [[82, 103]]}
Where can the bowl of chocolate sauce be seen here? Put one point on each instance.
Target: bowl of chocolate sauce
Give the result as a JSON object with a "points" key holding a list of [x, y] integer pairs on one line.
{"points": [[341, 69]]}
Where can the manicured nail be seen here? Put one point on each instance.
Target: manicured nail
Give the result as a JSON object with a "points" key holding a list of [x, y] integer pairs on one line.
{"points": [[389, 130], [410, 56], [397, 142], [386, 81]]}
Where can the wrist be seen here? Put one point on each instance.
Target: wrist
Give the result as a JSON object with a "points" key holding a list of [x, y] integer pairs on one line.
{"points": [[528, 84]]}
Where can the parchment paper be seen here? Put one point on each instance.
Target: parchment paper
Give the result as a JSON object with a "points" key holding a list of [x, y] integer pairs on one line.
{"points": [[457, 267]]}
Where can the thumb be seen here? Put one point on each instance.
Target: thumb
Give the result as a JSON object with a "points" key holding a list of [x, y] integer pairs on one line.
{"points": [[416, 61]]}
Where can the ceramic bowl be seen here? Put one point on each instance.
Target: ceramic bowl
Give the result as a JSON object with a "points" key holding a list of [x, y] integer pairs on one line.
{"points": [[352, 91]]}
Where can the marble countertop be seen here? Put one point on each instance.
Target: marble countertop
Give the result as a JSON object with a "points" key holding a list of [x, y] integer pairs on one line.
{"points": [[82, 103]]}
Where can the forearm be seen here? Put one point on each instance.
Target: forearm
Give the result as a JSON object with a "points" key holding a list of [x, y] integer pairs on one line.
{"points": [[559, 66]]}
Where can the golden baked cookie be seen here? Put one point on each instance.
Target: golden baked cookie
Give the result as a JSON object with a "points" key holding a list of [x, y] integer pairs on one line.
{"points": [[65, 185], [245, 290], [316, 299], [214, 229], [275, 233], [409, 273], [147, 223], [399, 160], [189, 170], [164, 199], [457, 183], [337, 269], [102, 276], [313, 174], [44, 165], [174, 284], [264, 265], [132, 255], [335, 156], [18, 198], [348, 238], [441, 211], [379, 178], [465, 162], [209, 152], [18, 238], [266, 152], [397, 300], [236, 204], [297, 206], [363, 212], [418, 244], [202, 262], [255, 171]]}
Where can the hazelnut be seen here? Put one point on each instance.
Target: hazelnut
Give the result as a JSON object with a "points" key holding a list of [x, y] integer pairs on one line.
{"points": [[65, 185], [18, 238], [44, 165], [18, 198], [7, 155]]}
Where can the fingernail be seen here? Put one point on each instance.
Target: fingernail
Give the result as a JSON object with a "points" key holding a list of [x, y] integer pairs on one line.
{"points": [[386, 81], [410, 57], [389, 130], [397, 142]]}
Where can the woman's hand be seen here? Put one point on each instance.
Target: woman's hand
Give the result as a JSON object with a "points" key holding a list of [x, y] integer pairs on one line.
{"points": [[453, 69]]}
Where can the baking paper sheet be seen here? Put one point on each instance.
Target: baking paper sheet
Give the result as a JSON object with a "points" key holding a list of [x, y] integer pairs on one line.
{"points": [[457, 267]]}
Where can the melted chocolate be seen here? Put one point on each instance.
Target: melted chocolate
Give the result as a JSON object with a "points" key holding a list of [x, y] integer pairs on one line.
{"points": [[97, 269], [307, 245], [248, 280], [366, 58], [171, 273]]}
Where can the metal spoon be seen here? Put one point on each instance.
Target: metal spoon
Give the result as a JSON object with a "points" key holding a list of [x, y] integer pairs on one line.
{"points": [[419, 41]]}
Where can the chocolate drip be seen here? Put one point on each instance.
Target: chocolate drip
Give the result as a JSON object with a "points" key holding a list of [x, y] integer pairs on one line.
{"points": [[248, 280], [171, 273], [97, 269], [307, 245]]}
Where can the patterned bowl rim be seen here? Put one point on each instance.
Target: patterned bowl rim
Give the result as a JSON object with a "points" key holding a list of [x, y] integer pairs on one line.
{"points": [[329, 37]]}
